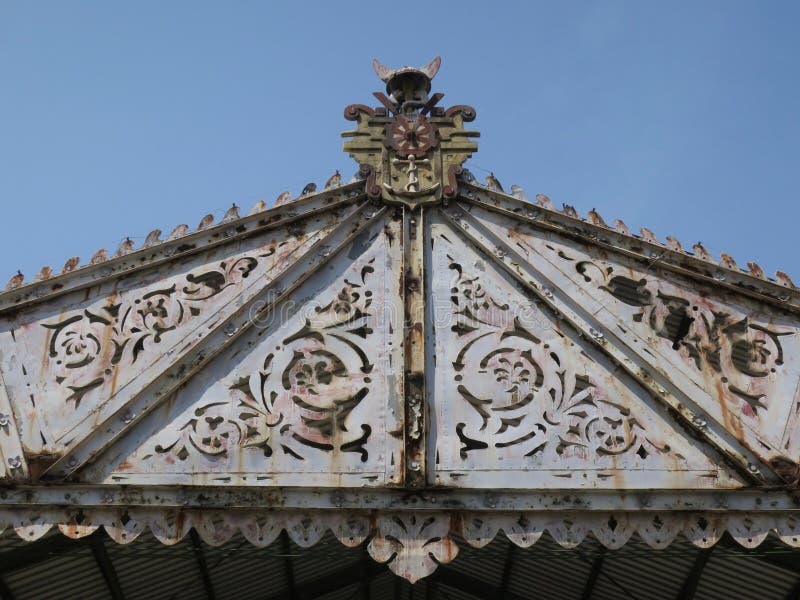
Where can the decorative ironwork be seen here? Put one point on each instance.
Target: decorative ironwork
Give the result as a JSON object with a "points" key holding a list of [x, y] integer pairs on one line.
{"points": [[119, 332], [738, 350], [527, 393], [412, 543], [302, 395], [412, 148], [451, 366]]}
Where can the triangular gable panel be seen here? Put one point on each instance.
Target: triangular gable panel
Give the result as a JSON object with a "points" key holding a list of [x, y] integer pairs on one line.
{"points": [[84, 355], [736, 358], [520, 400], [307, 397]]}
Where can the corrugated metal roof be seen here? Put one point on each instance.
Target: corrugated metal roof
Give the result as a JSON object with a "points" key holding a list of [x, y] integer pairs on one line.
{"points": [[72, 576], [241, 571], [148, 569], [546, 570]]}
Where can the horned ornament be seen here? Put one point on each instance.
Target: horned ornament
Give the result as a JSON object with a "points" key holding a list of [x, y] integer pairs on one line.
{"points": [[408, 87]]}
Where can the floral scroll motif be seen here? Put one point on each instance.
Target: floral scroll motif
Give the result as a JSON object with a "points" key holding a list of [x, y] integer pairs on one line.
{"points": [[86, 348], [739, 352], [529, 394], [301, 397]]}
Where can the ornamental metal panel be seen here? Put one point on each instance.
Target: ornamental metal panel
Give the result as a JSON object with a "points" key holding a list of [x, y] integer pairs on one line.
{"points": [[307, 397], [523, 400]]}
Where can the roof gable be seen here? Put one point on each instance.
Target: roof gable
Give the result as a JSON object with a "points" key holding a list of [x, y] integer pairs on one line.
{"points": [[414, 344]]}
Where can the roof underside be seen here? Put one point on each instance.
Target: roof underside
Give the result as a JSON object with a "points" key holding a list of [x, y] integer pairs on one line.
{"points": [[94, 568]]}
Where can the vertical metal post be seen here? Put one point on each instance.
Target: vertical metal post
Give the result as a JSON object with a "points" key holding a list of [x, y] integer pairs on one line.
{"points": [[414, 346]]}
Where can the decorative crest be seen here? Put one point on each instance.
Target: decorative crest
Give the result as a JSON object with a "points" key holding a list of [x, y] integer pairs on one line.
{"points": [[408, 87], [410, 150]]}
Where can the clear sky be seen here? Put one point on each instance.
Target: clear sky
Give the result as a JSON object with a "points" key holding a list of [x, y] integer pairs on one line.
{"points": [[118, 118]]}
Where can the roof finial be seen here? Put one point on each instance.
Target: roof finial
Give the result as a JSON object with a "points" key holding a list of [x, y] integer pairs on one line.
{"points": [[408, 87], [409, 150]]}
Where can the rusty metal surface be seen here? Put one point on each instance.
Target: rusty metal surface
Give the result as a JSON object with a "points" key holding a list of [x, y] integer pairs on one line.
{"points": [[492, 336], [411, 544], [96, 354], [729, 361], [535, 394], [414, 294], [432, 355], [232, 495], [311, 401]]}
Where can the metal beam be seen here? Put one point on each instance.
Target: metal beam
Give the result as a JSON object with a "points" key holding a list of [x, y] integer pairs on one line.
{"points": [[234, 497], [597, 568], [38, 552], [5, 591], [604, 574], [197, 546], [398, 583], [430, 588], [414, 347], [286, 548], [795, 593], [692, 581], [469, 584], [98, 545], [14, 466], [333, 581], [366, 576], [509, 563]]}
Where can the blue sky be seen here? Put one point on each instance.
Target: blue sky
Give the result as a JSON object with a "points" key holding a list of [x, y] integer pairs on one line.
{"points": [[118, 118]]}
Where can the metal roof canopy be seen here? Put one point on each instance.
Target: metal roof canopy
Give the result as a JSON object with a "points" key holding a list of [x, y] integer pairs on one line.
{"points": [[405, 358]]}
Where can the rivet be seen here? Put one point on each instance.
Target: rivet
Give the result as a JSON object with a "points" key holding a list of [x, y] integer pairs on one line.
{"points": [[15, 462], [4, 420], [699, 422]]}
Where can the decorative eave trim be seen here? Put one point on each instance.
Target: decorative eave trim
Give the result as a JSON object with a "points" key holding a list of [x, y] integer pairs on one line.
{"points": [[687, 265], [412, 543], [192, 243]]}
